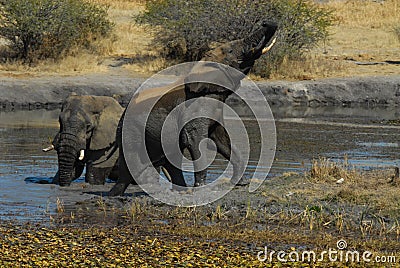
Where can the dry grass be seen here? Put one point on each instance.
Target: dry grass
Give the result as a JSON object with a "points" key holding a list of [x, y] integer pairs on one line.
{"points": [[325, 170], [129, 38], [365, 32], [367, 14], [367, 26], [372, 189], [70, 65], [366, 203], [312, 65]]}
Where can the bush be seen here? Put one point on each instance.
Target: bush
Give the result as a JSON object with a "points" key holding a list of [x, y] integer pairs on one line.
{"points": [[187, 29], [38, 29]]}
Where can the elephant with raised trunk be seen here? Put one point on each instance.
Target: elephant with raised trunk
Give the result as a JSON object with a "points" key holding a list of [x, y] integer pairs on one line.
{"points": [[239, 54], [87, 137]]}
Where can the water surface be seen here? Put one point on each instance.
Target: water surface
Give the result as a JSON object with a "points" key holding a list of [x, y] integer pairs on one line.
{"points": [[303, 134]]}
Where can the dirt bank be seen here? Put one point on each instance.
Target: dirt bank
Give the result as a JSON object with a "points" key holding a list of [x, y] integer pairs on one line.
{"points": [[370, 91], [49, 92]]}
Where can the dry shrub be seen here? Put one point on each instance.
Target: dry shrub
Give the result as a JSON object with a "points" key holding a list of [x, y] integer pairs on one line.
{"points": [[326, 170], [186, 29], [41, 29]]}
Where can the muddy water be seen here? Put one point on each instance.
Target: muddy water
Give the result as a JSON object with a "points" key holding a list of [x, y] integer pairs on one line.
{"points": [[303, 134], [22, 134]]}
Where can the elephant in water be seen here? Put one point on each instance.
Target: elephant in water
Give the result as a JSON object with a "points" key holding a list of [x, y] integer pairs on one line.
{"points": [[239, 54], [87, 137]]}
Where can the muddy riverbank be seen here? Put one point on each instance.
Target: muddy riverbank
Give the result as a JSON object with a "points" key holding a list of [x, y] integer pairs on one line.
{"points": [[293, 214], [49, 92]]}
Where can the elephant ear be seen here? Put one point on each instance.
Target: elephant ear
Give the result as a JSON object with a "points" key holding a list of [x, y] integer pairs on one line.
{"points": [[103, 135], [210, 77]]}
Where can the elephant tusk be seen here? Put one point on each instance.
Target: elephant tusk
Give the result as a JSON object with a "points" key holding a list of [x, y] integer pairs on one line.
{"points": [[166, 173], [51, 147], [266, 49], [81, 155]]}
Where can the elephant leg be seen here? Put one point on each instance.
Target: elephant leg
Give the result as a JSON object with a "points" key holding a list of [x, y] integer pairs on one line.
{"points": [[114, 173], [230, 152], [90, 176], [125, 177], [194, 133], [175, 174], [200, 175], [96, 175]]}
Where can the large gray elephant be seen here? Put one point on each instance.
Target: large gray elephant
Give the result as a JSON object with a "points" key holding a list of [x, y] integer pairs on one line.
{"points": [[239, 54], [87, 137]]}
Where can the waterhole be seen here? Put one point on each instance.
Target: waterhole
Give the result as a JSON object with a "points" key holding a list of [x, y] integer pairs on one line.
{"points": [[366, 137]]}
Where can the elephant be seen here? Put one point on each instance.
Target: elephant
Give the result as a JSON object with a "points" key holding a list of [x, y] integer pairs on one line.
{"points": [[240, 54], [87, 137]]}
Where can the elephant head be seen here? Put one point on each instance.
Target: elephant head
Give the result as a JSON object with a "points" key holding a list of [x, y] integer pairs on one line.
{"points": [[87, 130], [241, 54]]}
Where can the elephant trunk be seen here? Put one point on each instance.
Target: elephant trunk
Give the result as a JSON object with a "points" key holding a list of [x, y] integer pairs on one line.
{"points": [[67, 158], [257, 41], [66, 169]]}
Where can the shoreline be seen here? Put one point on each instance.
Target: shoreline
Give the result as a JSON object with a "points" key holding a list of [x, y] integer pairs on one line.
{"points": [[49, 92]]}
